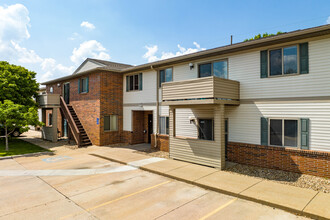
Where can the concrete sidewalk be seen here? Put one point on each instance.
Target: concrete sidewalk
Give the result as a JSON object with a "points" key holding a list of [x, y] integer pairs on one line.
{"points": [[290, 198]]}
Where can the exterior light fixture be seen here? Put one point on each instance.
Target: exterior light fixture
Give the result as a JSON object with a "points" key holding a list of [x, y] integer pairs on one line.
{"points": [[191, 65]]}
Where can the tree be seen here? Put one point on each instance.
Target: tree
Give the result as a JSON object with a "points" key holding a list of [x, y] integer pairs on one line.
{"points": [[15, 115], [17, 84], [18, 88], [263, 36]]}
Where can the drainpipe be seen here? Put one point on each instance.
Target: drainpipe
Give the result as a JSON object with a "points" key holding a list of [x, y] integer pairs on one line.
{"points": [[157, 106]]}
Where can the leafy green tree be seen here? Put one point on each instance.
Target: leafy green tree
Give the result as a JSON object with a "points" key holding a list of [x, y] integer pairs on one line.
{"points": [[17, 84], [15, 115], [18, 90], [263, 36]]}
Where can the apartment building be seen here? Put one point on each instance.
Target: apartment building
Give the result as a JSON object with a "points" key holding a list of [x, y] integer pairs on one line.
{"points": [[264, 102]]}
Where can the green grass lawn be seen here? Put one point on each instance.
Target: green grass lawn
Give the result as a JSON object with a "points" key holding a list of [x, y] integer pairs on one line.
{"points": [[18, 146]]}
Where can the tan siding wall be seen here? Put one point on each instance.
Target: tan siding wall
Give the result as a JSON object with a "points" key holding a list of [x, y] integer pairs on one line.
{"points": [[194, 150], [244, 120], [208, 87]]}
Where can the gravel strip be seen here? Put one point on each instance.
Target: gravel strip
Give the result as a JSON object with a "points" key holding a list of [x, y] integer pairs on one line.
{"points": [[295, 179], [155, 153]]}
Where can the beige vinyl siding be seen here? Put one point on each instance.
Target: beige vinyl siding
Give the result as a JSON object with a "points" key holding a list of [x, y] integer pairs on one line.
{"points": [[148, 92], [164, 110], [244, 120], [194, 150], [88, 66], [206, 87]]}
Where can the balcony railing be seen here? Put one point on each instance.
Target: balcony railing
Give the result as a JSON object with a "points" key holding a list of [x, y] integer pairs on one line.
{"points": [[48, 100], [208, 89]]}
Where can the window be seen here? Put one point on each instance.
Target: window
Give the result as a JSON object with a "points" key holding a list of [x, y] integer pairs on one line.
{"points": [[134, 82], [111, 123], [217, 68], [83, 85], [165, 75], [50, 119], [283, 132], [283, 61], [164, 125], [205, 131]]}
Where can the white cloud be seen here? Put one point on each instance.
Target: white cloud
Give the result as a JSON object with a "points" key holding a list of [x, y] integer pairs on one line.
{"points": [[75, 36], [14, 23], [26, 56], [150, 55], [51, 68], [92, 49], [87, 25], [328, 21]]}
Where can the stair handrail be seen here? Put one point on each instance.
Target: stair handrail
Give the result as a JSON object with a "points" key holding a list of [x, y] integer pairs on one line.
{"points": [[72, 124]]}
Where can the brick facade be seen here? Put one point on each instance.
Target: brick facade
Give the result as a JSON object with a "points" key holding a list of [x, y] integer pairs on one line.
{"points": [[111, 98], [162, 142], [293, 160]]}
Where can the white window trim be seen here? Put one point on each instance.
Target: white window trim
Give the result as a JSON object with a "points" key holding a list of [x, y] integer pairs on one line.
{"points": [[282, 49], [298, 131]]}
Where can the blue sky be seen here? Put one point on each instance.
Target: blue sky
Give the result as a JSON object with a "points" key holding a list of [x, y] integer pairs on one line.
{"points": [[54, 37]]}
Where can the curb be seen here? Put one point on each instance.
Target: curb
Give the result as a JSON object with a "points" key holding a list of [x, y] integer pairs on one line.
{"points": [[238, 195], [27, 155]]}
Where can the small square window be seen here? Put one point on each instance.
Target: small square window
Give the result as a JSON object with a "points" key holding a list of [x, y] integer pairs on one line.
{"points": [[111, 123], [205, 129]]}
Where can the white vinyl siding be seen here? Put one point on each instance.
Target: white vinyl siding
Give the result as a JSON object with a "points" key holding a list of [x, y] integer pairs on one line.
{"points": [[147, 94], [244, 121], [245, 68]]}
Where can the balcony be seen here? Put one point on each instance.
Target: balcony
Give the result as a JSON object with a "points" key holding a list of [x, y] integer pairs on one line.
{"points": [[207, 90], [48, 100]]}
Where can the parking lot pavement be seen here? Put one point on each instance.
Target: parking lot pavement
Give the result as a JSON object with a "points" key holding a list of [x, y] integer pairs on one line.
{"points": [[129, 194]]}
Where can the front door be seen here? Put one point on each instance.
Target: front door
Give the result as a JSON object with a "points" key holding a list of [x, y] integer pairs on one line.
{"points": [[150, 127], [66, 93]]}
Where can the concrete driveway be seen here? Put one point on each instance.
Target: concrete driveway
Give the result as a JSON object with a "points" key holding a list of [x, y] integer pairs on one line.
{"points": [[75, 184]]}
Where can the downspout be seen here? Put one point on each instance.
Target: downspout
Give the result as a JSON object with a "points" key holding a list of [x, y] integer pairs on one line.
{"points": [[157, 106]]}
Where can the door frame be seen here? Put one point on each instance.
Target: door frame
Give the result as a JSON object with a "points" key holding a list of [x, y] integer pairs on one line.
{"points": [[64, 93], [150, 126]]}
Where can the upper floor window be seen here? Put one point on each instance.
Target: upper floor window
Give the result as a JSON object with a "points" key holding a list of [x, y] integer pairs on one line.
{"points": [[217, 68], [165, 75], [134, 82], [283, 61], [83, 85]]}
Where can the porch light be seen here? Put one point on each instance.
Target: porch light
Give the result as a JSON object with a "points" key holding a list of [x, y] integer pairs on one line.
{"points": [[191, 65]]}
